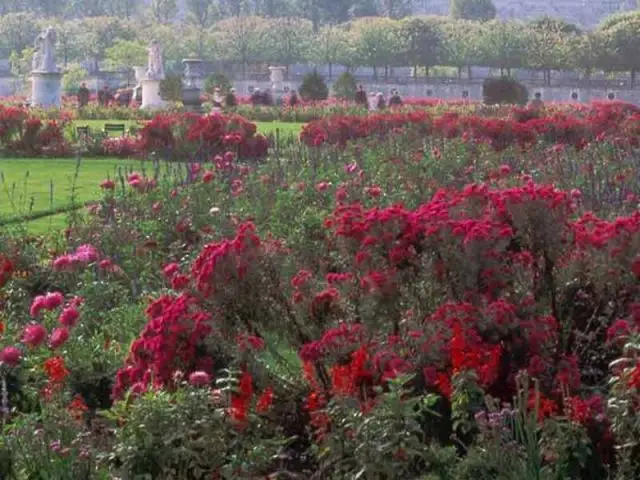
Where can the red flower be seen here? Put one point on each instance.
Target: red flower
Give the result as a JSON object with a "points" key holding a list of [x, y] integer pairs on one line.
{"points": [[635, 267], [208, 177], [55, 369], [265, 401]]}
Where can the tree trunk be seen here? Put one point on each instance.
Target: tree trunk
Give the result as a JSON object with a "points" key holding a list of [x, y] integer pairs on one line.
{"points": [[330, 70], [633, 78], [469, 72], [375, 72], [386, 73], [459, 73]]}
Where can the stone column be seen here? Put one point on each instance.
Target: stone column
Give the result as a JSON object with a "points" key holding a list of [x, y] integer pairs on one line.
{"points": [[277, 83], [46, 89]]}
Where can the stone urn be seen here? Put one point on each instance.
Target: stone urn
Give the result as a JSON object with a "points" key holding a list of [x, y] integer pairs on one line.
{"points": [[190, 90]]}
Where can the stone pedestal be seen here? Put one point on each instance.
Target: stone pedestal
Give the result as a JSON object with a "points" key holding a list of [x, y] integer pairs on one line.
{"points": [[191, 99], [151, 94], [46, 89], [277, 83]]}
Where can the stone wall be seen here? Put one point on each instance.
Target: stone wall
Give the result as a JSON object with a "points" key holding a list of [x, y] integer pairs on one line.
{"points": [[473, 91]]}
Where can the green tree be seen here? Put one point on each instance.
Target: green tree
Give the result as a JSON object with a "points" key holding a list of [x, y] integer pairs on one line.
{"points": [[201, 13], [422, 41], [481, 10], [395, 8], [126, 54], [548, 45], [164, 11], [503, 45], [330, 46], [96, 34], [240, 39], [461, 45], [377, 43], [286, 40], [623, 39], [74, 75], [17, 32]]}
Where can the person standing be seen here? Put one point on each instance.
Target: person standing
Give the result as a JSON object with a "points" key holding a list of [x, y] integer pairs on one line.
{"points": [[83, 96]]}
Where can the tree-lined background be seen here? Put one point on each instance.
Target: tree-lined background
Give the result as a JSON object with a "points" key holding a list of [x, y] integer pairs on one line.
{"points": [[381, 34]]}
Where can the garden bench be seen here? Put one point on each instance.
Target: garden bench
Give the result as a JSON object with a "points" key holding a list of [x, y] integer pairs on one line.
{"points": [[115, 128]]}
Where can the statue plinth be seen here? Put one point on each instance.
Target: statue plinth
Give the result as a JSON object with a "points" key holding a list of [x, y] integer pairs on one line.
{"points": [[277, 83], [151, 93], [46, 89]]}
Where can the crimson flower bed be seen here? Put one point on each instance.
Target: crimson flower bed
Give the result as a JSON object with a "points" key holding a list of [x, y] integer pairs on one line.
{"points": [[568, 125]]}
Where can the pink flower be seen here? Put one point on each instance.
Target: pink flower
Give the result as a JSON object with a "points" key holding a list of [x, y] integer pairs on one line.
{"points": [[86, 254], [170, 270], [322, 186], [199, 379], [178, 282], [53, 300], [69, 316], [58, 337], [208, 177], [37, 305], [108, 184], [374, 192], [10, 356], [505, 170], [228, 157], [34, 334], [65, 262], [156, 207], [195, 168]]}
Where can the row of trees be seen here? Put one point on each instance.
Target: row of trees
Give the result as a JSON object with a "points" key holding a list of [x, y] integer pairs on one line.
{"points": [[380, 42]]}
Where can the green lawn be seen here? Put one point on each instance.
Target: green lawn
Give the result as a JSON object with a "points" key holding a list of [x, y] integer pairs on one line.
{"points": [[263, 127], [38, 185]]}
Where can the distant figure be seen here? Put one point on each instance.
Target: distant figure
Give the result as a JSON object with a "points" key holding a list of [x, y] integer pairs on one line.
{"points": [[256, 97], [104, 96], [395, 100], [231, 100], [83, 96], [293, 99], [381, 104], [217, 99], [361, 96], [123, 97], [537, 102], [267, 99]]}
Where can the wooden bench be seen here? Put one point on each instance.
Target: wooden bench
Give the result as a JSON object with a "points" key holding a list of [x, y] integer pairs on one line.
{"points": [[114, 128]]}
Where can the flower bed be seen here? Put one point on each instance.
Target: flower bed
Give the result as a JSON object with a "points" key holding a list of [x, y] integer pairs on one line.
{"points": [[411, 305]]}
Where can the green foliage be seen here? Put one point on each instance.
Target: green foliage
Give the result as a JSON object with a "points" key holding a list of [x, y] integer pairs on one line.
{"points": [[504, 90], [126, 54], [345, 87], [313, 87], [73, 77], [171, 88], [217, 80], [481, 10]]}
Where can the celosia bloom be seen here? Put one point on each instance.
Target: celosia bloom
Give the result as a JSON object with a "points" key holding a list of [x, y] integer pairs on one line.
{"points": [[55, 369], [11, 356], [199, 379], [69, 316], [34, 335], [107, 184], [58, 337], [265, 401]]}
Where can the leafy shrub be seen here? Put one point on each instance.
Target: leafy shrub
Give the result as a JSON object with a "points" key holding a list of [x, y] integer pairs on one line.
{"points": [[217, 80], [345, 87], [313, 87], [504, 90], [171, 88]]}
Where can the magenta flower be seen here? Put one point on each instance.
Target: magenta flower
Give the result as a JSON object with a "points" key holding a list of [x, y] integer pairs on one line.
{"points": [[58, 337], [199, 379], [11, 356], [34, 335]]}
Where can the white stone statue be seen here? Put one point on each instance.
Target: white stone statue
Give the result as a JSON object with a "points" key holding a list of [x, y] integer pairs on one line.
{"points": [[155, 70], [44, 57]]}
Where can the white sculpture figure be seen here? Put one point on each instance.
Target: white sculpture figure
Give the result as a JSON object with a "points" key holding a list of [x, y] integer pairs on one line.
{"points": [[155, 69], [44, 58]]}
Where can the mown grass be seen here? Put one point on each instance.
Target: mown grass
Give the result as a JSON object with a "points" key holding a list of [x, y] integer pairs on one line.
{"points": [[33, 185], [263, 127]]}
